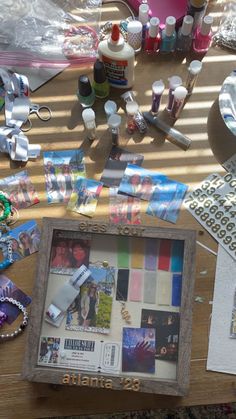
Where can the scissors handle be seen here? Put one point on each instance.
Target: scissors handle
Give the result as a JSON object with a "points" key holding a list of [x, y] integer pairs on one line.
{"points": [[43, 112], [26, 126]]}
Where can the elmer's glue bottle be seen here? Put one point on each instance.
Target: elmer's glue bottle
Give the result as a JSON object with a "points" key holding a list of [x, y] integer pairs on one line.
{"points": [[118, 58]]}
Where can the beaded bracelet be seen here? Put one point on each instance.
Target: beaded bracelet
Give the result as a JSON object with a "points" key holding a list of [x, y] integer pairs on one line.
{"points": [[6, 242], [6, 204], [24, 323]]}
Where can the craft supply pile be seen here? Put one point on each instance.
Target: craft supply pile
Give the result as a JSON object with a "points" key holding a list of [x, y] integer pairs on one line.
{"points": [[113, 302]]}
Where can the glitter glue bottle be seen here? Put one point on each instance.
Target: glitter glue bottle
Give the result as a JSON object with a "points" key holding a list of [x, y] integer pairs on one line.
{"points": [[113, 123], [193, 70], [157, 90], [88, 116], [203, 36], [174, 82], [179, 94], [85, 92], [131, 110], [118, 58]]}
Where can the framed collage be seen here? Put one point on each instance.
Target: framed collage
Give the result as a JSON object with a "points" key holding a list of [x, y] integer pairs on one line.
{"points": [[112, 307]]}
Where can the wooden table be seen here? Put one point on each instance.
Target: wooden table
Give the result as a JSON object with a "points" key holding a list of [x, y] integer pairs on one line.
{"points": [[21, 399]]}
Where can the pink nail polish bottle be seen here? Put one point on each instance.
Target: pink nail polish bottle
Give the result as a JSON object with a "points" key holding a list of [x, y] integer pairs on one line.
{"points": [[153, 39], [203, 35]]}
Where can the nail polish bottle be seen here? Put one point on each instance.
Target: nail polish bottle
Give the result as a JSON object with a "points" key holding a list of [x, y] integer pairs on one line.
{"points": [[114, 122], [203, 36], [139, 119], [179, 94], [134, 35], [174, 81], [143, 17], [110, 107], [85, 92], [100, 84], [131, 110], [184, 36], [197, 9], [168, 35], [193, 70], [157, 90], [153, 39], [88, 116]]}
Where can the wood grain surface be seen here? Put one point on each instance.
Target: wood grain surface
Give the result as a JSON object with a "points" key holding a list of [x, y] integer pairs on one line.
{"points": [[21, 399]]}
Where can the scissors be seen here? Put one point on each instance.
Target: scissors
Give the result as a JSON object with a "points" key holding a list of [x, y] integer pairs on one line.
{"points": [[44, 113]]}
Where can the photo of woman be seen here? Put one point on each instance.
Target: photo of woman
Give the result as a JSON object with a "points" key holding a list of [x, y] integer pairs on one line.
{"points": [[60, 255], [79, 253], [89, 306], [26, 243]]}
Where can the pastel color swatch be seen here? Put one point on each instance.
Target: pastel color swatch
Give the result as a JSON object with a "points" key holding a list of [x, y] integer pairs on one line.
{"points": [[150, 286], [151, 254], [164, 288], [123, 252], [136, 285], [137, 253]]}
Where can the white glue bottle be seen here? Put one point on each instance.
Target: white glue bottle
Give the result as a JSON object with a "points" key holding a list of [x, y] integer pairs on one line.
{"points": [[118, 58]]}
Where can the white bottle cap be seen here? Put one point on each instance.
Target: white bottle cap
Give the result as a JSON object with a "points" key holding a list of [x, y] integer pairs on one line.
{"points": [[170, 25], [143, 13], [206, 25], [180, 93], [131, 108], [187, 25], [195, 67], [114, 121], [88, 116], [154, 27], [158, 87], [174, 82], [134, 26], [110, 107]]}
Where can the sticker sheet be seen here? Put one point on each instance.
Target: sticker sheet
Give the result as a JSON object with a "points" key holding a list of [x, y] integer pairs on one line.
{"points": [[20, 190], [61, 171], [230, 165], [213, 204]]}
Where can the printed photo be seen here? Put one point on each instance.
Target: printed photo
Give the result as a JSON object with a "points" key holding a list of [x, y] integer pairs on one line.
{"points": [[166, 325], [116, 165], [124, 209], [91, 311], [19, 190], [69, 254], [49, 350], [25, 240], [166, 200], [61, 171], [138, 350], [140, 182], [85, 196], [9, 289]]}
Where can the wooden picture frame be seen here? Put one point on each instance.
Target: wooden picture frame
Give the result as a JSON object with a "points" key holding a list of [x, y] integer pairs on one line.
{"points": [[102, 235]]}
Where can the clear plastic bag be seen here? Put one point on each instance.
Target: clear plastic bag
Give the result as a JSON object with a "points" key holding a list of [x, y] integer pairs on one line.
{"points": [[226, 34], [48, 33]]}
